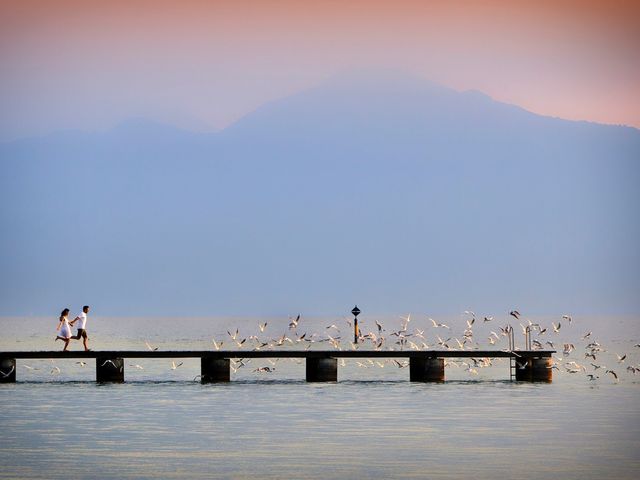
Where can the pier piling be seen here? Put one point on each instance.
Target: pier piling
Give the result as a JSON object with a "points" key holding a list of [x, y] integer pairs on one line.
{"points": [[323, 369], [215, 369], [7, 370], [109, 370], [535, 369], [426, 369]]}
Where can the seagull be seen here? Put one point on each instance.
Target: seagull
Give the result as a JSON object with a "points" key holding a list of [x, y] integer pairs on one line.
{"points": [[567, 317], [294, 323], [82, 364], [488, 319], [139, 367], [216, 344], [29, 367], [621, 358], [436, 324], [264, 370], [405, 323], [379, 327], [615, 375], [262, 326], [592, 377], [109, 361], [55, 370], [5, 375], [556, 329], [586, 335], [233, 335], [174, 366], [153, 349], [515, 314]]}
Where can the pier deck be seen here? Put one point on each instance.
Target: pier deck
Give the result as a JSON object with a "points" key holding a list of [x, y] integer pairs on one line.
{"points": [[321, 365]]}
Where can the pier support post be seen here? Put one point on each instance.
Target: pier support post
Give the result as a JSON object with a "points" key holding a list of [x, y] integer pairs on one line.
{"points": [[324, 369], [109, 370], [535, 369], [215, 370], [7, 370], [426, 369]]}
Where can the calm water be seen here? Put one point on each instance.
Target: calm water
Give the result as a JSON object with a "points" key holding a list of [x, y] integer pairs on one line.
{"points": [[373, 423]]}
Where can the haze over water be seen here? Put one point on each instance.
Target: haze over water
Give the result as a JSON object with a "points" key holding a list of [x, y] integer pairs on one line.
{"points": [[166, 161], [372, 423]]}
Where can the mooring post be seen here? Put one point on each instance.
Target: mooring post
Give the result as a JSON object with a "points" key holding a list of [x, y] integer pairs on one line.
{"points": [[534, 369], [7, 370], [322, 369], [426, 369], [215, 369], [109, 370]]}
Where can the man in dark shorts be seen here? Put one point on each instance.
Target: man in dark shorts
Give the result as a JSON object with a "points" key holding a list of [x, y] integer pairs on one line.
{"points": [[82, 325]]}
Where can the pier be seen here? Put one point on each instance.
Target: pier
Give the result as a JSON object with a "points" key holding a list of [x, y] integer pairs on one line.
{"points": [[321, 365]]}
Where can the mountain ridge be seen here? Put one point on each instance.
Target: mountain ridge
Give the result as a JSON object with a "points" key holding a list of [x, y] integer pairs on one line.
{"points": [[323, 201]]}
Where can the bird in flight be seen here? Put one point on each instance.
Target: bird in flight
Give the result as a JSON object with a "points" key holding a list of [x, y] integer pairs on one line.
{"points": [[294, 323], [216, 344]]}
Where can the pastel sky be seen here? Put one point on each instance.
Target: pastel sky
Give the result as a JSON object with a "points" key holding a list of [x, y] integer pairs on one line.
{"points": [[203, 64]]}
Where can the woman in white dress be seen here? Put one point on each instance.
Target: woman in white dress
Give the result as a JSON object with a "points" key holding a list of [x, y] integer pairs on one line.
{"points": [[63, 332]]}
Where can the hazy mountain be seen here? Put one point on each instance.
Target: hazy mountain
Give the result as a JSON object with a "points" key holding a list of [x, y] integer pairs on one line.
{"points": [[384, 190]]}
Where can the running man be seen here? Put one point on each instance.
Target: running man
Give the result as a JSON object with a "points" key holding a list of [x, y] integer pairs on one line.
{"points": [[82, 325]]}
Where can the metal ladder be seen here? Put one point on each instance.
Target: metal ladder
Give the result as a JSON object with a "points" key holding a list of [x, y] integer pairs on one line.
{"points": [[512, 346], [513, 363]]}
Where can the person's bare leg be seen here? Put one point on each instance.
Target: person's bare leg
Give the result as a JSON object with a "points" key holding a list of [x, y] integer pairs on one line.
{"points": [[86, 347], [66, 344]]}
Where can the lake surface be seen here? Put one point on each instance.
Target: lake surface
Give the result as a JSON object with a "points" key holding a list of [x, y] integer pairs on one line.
{"points": [[372, 423]]}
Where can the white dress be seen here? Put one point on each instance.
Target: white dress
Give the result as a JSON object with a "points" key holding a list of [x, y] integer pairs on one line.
{"points": [[65, 329]]}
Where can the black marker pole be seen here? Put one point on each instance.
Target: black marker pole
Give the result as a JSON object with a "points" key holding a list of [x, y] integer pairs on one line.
{"points": [[355, 313]]}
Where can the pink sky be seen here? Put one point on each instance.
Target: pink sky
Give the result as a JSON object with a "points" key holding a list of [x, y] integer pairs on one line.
{"points": [[89, 64]]}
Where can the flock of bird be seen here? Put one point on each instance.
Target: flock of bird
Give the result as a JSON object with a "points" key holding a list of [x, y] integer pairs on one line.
{"points": [[434, 335]]}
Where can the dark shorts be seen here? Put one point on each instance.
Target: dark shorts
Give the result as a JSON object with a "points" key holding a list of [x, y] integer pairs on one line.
{"points": [[82, 333]]}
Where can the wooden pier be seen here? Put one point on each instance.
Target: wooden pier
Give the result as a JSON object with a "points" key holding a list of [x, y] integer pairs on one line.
{"points": [[321, 365]]}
